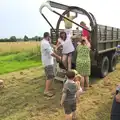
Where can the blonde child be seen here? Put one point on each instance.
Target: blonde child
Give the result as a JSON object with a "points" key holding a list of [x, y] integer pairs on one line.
{"points": [[78, 80]]}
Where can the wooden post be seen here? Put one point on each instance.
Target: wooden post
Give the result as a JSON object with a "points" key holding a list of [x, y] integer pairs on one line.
{"points": [[100, 33], [105, 32], [117, 33], [112, 33]]}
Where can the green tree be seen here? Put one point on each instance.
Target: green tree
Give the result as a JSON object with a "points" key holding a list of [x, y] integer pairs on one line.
{"points": [[13, 39], [26, 38]]}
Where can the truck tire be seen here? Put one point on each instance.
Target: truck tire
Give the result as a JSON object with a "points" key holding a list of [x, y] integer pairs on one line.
{"points": [[104, 67], [113, 62]]}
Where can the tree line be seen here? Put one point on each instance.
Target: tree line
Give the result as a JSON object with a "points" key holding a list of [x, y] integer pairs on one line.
{"points": [[26, 38]]}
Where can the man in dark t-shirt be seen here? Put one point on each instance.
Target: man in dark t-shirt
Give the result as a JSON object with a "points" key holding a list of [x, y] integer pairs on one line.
{"points": [[115, 112]]}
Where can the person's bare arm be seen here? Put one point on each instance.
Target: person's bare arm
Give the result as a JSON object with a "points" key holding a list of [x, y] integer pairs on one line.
{"points": [[77, 94], [63, 98], [56, 56], [50, 51], [54, 46], [64, 94], [75, 16], [58, 45]]}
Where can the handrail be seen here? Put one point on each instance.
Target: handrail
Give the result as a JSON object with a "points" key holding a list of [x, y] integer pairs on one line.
{"points": [[45, 4], [48, 4]]}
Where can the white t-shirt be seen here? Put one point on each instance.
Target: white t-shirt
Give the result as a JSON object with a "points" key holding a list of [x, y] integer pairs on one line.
{"points": [[69, 32], [67, 45], [46, 51]]}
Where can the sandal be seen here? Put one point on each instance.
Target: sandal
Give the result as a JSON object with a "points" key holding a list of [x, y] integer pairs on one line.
{"points": [[51, 89], [74, 118], [48, 94]]}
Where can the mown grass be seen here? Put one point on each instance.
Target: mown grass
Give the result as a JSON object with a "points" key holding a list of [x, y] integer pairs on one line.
{"points": [[18, 61], [22, 98], [19, 55]]}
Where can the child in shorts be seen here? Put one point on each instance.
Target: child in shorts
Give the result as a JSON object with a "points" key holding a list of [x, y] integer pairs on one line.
{"points": [[69, 96]]}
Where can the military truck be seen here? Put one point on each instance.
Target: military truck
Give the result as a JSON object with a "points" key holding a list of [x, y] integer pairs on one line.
{"points": [[104, 39]]}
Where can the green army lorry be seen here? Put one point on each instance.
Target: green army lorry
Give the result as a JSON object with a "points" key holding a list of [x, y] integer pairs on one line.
{"points": [[104, 39]]}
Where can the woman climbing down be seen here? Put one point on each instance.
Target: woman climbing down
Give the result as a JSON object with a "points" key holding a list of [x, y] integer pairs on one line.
{"points": [[68, 48]]}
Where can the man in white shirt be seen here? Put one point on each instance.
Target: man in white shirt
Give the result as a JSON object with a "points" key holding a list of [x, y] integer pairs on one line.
{"points": [[48, 55]]}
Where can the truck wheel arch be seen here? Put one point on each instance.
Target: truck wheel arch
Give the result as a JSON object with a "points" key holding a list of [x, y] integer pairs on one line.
{"points": [[113, 62], [103, 66]]}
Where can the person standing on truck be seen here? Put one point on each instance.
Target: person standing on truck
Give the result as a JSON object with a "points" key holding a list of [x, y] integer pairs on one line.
{"points": [[85, 34], [47, 56], [68, 24], [83, 63], [67, 50]]}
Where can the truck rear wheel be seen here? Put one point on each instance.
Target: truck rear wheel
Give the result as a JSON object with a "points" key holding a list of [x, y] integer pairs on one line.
{"points": [[104, 68], [113, 62]]}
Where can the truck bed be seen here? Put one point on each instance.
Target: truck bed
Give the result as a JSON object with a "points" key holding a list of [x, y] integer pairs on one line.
{"points": [[107, 38]]}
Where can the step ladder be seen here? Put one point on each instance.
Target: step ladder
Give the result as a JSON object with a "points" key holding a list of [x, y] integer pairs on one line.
{"points": [[59, 73]]}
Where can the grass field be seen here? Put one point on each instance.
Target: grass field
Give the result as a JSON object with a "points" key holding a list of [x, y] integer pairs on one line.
{"points": [[19, 55], [22, 98], [16, 47]]}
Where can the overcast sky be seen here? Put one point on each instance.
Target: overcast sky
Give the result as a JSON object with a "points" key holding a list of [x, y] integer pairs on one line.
{"points": [[22, 17]]}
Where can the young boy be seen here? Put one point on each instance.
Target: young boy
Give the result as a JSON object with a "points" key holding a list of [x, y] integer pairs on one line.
{"points": [[69, 96]]}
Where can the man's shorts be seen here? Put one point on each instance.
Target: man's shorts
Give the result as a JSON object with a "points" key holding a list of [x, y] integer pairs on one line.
{"points": [[69, 107], [49, 71]]}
